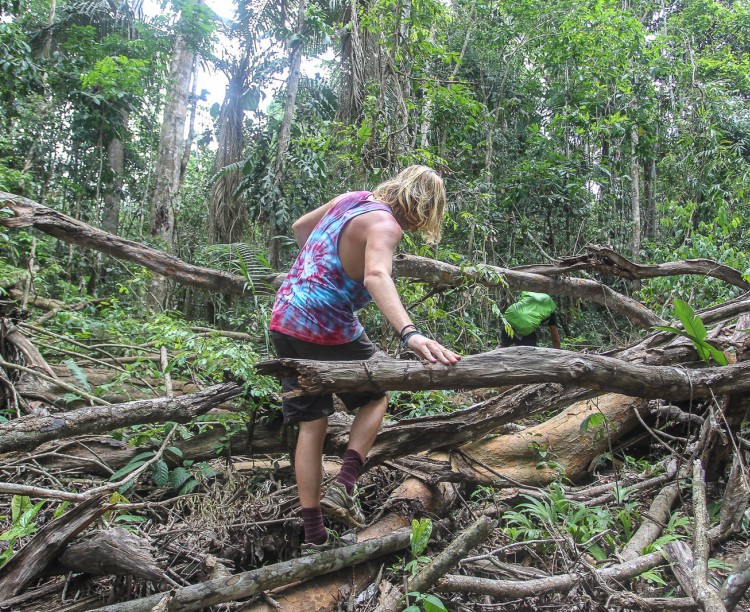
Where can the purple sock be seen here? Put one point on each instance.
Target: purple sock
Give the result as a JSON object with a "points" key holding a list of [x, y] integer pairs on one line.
{"points": [[349, 473], [315, 531]]}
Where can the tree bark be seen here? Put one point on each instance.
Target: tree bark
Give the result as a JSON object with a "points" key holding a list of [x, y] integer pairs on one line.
{"points": [[606, 260], [442, 274], [226, 215], [112, 552], [276, 224], [635, 192], [420, 269], [531, 588], [169, 153], [247, 584], [538, 455], [512, 366], [29, 213], [29, 432], [34, 558]]}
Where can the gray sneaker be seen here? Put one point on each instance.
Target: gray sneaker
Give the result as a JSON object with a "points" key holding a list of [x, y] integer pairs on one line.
{"points": [[334, 540], [339, 505]]}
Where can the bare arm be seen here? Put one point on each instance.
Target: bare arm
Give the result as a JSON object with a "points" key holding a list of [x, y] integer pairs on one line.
{"points": [[304, 226], [555, 334], [383, 235]]}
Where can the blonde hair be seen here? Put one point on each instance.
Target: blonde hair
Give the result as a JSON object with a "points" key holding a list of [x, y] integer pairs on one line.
{"points": [[417, 198]]}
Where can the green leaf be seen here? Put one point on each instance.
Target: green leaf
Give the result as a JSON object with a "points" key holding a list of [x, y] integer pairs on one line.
{"points": [[160, 473], [432, 603], [421, 530], [79, 374], [175, 451], [189, 485], [691, 322], [130, 467], [178, 477], [18, 505], [130, 518], [668, 328]]}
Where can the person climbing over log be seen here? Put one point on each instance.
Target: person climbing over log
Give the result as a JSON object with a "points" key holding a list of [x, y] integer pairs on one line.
{"points": [[345, 261], [526, 316]]}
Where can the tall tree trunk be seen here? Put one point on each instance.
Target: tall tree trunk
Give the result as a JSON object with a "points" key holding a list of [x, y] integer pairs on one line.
{"points": [[285, 132], [193, 101], [113, 185], [226, 216], [169, 153], [649, 182], [635, 192]]}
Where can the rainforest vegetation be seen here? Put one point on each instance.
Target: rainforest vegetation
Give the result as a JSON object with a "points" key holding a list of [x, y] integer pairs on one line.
{"points": [[153, 158]]}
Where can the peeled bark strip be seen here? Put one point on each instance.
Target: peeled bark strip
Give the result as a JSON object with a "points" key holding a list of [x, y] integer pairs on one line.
{"points": [[247, 584], [554, 584], [569, 450], [46, 545], [29, 432], [513, 366]]}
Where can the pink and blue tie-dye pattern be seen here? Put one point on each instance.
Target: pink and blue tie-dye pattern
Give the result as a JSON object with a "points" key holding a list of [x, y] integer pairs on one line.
{"points": [[317, 301]]}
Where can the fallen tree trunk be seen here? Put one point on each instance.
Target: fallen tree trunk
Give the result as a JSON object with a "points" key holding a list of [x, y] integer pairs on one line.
{"points": [[327, 592], [512, 366], [31, 214], [30, 431]]}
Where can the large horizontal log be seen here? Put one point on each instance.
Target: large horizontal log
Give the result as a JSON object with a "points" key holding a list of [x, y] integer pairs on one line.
{"points": [[512, 366], [442, 274], [30, 431]]}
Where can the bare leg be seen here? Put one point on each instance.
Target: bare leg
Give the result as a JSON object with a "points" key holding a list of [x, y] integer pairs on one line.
{"points": [[366, 425], [308, 461]]}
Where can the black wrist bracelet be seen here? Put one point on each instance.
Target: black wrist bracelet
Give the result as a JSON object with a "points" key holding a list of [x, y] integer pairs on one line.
{"points": [[405, 327], [405, 339]]}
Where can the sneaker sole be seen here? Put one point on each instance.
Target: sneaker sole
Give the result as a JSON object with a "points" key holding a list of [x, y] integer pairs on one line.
{"points": [[340, 514]]}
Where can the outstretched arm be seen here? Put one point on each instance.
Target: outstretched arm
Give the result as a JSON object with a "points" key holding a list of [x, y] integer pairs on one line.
{"points": [[383, 235]]}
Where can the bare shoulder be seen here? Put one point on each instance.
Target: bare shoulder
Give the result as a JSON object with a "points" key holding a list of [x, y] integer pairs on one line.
{"points": [[377, 224]]}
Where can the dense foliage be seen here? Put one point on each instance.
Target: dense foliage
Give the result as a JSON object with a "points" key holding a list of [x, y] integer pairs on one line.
{"points": [[554, 125]]}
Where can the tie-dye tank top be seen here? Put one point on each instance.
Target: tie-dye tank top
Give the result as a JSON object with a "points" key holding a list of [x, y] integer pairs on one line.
{"points": [[317, 300]]}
